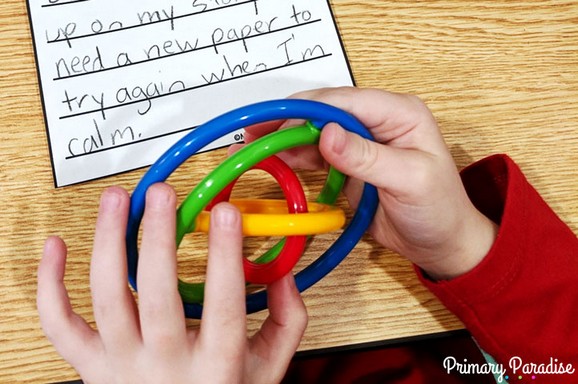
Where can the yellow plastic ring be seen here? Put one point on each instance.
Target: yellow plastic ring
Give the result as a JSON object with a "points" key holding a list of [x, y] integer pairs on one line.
{"points": [[266, 217]]}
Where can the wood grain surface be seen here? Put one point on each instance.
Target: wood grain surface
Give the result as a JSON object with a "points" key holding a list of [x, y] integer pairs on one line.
{"points": [[500, 76]]}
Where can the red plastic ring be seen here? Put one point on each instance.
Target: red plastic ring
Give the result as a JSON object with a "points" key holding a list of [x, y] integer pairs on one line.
{"points": [[266, 273]]}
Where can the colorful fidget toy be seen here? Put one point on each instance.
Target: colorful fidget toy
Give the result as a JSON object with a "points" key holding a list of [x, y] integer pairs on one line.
{"points": [[295, 218]]}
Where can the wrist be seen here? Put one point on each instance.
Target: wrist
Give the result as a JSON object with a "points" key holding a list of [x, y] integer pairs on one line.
{"points": [[473, 242]]}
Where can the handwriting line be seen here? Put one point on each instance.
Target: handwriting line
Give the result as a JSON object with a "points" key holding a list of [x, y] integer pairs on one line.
{"points": [[63, 3], [148, 99], [170, 19], [214, 46], [159, 136]]}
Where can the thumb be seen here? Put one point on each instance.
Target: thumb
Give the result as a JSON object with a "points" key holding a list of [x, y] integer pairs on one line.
{"points": [[384, 166]]}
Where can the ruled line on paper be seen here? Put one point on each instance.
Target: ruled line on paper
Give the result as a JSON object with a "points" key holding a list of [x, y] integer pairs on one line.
{"points": [[56, 3], [169, 17], [104, 149], [116, 95], [184, 47], [216, 80]]}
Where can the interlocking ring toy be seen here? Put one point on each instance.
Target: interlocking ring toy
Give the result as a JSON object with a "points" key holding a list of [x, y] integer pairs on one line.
{"points": [[216, 187]]}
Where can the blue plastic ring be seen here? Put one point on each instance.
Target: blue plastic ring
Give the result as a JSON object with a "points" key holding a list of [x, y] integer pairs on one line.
{"points": [[319, 114]]}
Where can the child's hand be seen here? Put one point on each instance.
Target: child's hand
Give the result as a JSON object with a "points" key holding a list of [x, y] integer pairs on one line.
{"points": [[149, 342], [424, 212]]}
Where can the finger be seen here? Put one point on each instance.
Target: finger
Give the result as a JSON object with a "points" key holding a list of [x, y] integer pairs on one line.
{"points": [[223, 327], [281, 333], [256, 131], [389, 116], [64, 328], [384, 166], [234, 148], [160, 305], [114, 307], [304, 157]]}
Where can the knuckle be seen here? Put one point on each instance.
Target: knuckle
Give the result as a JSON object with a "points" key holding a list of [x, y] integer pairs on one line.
{"points": [[301, 319], [365, 157], [420, 106], [162, 340], [415, 100]]}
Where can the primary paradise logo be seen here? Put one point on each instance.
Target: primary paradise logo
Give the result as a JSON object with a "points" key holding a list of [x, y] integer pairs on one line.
{"points": [[517, 368]]}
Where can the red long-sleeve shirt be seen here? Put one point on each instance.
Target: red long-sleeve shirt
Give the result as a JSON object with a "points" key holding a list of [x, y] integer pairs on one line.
{"points": [[520, 303]]}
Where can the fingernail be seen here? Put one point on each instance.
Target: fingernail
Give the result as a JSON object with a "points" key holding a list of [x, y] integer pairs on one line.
{"points": [[50, 244], [159, 196], [110, 199], [225, 216]]}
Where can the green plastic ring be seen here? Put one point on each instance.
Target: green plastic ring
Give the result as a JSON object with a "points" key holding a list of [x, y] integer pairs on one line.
{"points": [[233, 167]]}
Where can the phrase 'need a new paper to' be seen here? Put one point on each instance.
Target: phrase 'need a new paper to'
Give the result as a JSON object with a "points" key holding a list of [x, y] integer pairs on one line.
{"points": [[123, 81]]}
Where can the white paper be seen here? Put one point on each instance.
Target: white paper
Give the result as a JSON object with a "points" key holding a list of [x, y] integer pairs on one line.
{"points": [[123, 80]]}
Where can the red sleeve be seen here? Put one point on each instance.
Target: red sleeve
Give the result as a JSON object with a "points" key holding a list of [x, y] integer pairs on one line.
{"points": [[522, 300]]}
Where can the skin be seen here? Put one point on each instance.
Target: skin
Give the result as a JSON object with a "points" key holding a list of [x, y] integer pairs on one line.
{"points": [[149, 342], [424, 214]]}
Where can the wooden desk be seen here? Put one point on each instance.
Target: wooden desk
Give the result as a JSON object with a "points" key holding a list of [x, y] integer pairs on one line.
{"points": [[500, 76]]}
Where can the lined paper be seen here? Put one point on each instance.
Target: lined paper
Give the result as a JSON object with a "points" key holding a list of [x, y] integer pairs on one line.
{"points": [[121, 81]]}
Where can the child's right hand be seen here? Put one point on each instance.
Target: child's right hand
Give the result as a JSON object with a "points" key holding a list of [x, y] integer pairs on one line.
{"points": [[424, 212]]}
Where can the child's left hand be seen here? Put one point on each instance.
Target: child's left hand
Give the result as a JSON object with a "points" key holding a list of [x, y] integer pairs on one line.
{"points": [[149, 342]]}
